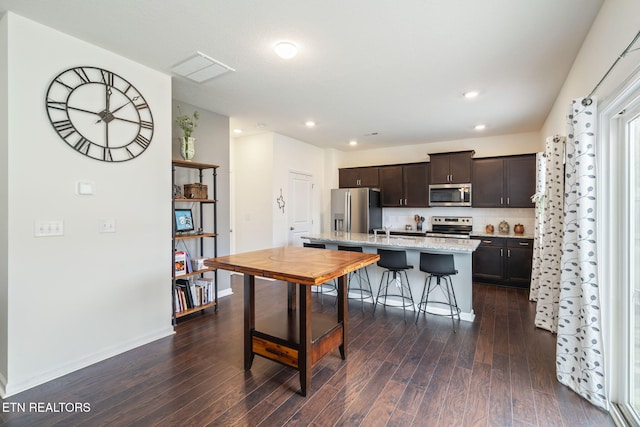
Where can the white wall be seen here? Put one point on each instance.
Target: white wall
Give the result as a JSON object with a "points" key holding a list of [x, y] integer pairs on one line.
{"points": [[291, 155], [613, 29], [261, 167], [4, 205], [252, 171], [84, 296]]}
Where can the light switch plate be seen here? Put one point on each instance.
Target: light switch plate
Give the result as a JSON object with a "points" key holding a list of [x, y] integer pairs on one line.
{"points": [[84, 188], [48, 228]]}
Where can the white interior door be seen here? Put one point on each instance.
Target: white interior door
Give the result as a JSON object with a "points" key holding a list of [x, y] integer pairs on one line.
{"points": [[299, 212]]}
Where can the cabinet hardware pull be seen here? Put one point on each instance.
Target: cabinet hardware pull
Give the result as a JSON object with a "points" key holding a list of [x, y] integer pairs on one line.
{"points": [[501, 200], [508, 200], [486, 241], [524, 243], [501, 252], [509, 253], [405, 202]]}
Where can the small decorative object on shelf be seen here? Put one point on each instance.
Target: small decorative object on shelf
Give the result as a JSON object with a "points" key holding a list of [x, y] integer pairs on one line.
{"points": [[177, 192], [518, 229], [195, 191], [489, 228], [187, 143], [419, 220], [503, 227]]}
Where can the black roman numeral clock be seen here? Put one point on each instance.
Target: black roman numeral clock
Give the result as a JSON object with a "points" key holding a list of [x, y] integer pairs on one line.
{"points": [[99, 114]]}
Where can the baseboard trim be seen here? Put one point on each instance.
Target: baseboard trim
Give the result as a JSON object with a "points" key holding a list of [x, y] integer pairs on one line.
{"points": [[9, 389]]}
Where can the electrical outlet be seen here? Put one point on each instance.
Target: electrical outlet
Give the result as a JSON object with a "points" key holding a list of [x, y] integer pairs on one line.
{"points": [[107, 225]]}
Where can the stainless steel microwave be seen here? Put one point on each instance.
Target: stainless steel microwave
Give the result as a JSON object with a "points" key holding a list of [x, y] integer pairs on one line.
{"points": [[450, 195]]}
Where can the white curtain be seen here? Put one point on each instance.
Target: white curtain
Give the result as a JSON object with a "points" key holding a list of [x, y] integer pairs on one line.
{"points": [[566, 286], [579, 351], [545, 279]]}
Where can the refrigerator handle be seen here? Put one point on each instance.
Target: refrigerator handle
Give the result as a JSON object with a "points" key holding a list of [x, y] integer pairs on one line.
{"points": [[347, 211]]}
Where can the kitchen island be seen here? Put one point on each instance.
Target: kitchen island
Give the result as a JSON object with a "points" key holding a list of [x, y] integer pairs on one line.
{"points": [[462, 250]]}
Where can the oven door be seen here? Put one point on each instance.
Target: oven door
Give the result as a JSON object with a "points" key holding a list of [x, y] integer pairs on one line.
{"points": [[450, 195]]}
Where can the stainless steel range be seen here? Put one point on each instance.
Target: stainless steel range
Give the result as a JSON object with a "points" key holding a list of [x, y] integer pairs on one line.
{"points": [[459, 227]]}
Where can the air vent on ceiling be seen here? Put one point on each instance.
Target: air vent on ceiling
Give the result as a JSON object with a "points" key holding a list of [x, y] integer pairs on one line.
{"points": [[200, 68]]}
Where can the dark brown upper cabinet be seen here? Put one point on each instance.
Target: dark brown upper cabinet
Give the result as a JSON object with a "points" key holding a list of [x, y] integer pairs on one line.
{"points": [[451, 168], [358, 177], [405, 185], [504, 182]]}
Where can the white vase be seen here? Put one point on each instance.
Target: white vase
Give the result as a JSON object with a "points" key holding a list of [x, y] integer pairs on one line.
{"points": [[187, 148]]}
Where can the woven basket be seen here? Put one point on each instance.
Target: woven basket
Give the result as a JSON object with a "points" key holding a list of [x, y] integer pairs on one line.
{"points": [[195, 191]]}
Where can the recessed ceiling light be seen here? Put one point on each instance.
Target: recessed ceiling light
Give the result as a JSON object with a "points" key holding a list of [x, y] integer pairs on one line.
{"points": [[309, 123], [286, 49], [353, 142], [470, 94], [237, 131], [261, 125], [480, 127]]}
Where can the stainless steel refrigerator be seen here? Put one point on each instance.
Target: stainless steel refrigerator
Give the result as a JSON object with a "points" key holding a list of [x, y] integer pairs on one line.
{"points": [[355, 210]]}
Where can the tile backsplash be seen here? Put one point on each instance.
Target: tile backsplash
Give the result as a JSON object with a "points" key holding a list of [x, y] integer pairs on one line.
{"points": [[397, 218]]}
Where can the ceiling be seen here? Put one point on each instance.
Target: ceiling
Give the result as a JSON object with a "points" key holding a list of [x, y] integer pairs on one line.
{"points": [[381, 72]]}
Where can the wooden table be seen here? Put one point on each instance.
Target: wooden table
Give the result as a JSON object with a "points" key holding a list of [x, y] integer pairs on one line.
{"points": [[296, 341]]}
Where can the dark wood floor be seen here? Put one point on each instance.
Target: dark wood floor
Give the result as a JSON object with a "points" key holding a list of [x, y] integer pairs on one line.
{"points": [[496, 371]]}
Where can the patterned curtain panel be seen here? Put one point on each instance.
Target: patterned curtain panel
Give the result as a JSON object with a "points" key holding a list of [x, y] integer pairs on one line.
{"points": [[545, 284], [579, 351], [538, 199]]}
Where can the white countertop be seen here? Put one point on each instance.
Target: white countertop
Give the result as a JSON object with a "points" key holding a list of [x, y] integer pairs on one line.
{"points": [[403, 242]]}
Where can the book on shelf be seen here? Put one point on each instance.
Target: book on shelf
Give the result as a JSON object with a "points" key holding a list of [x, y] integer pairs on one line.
{"points": [[184, 288], [187, 261], [180, 263], [206, 284], [192, 294]]}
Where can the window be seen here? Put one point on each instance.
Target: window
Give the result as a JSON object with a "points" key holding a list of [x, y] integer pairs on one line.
{"points": [[619, 215]]}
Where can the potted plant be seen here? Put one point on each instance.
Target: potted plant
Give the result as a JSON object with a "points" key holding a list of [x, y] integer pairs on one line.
{"points": [[187, 143]]}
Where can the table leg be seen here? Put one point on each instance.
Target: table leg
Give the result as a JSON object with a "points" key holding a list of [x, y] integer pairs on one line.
{"points": [[291, 296], [249, 318], [304, 353], [343, 312]]}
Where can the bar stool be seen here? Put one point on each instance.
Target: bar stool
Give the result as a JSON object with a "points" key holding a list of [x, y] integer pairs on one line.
{"points": [[395, 263], [442, 267], [324, 288], [364, 284]]}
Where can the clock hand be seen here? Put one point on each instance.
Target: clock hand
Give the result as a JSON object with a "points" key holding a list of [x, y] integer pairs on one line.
{"points": [[107, 96], [83, 110], [135, 98], [126, 120]]}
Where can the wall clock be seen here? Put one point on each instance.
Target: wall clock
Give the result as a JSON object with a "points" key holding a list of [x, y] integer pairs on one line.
{"points": [[99, 114]]}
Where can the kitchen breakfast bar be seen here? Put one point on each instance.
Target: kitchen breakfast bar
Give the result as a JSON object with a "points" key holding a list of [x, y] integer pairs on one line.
{"points": [[462, 250]]}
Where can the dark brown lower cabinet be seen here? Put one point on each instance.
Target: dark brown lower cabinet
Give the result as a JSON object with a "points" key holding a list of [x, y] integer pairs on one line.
{"points": [[503, 261]]}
